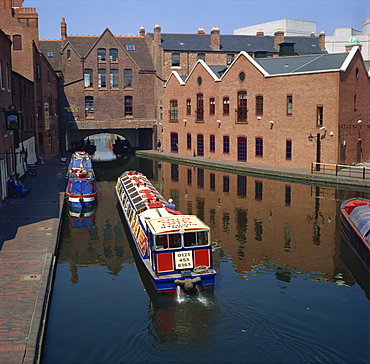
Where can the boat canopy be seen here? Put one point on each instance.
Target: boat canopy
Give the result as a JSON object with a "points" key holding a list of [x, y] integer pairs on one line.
{"points": [[176, 223], [360, 217]]}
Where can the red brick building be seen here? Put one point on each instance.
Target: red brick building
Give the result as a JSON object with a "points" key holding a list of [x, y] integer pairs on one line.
{"points": [[20, 24], [7, 161], [107, 84], [264, 110]]}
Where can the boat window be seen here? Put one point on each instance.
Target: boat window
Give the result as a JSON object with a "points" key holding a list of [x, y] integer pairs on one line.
{"points": [[168, 241], [196, 238]]}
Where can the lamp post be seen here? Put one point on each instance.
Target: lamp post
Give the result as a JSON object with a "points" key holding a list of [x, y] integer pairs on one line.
{"points": [[318, 149]]}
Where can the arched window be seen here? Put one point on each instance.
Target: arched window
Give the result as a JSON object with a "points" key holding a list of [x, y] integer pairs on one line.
{"points": [[17, 42], [259, 147], [113, 54], [173, 110], [212, 106], [242, 106], [188, 107], [89, 106], [226, 106], [200, 107], [101, 55]]}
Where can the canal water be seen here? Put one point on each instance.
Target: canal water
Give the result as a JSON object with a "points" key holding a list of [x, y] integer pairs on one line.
{"points": [[288, 290]]}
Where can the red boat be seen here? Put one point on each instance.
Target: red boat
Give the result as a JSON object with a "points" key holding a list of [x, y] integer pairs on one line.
{"points": [[355, 227]]}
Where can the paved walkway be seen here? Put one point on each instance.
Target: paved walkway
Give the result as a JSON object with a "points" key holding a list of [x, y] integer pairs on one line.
{"points": [[29, 229]]}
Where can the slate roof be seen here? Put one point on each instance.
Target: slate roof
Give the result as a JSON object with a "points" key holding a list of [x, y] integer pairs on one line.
{"points": [[299, 64], [235, 43], [83, 44]]}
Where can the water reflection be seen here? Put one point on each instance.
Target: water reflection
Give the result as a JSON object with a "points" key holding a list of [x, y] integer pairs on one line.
{"points": [[256, 220]]}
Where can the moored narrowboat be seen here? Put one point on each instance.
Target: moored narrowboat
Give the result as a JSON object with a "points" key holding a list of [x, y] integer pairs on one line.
{"points": [[81, 190], [175, 249], [355, 227]]}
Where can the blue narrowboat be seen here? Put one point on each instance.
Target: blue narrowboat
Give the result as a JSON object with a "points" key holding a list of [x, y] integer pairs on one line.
{"points": [[81, 190], [175, 249]]}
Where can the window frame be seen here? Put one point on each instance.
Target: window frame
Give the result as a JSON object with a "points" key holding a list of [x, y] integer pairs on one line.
{"points": [[113, 54], [89, 110], [212, 106], [101, 55], [114, 78], [102, 78], [226, 144], [128, 106], [175, 59], [319, 116], [289, 104], [225, 106], [259, 147], [259, 105], [242, 110], [174, 110], [288, 149], [127, 77], [212, 143], [200, 107]]}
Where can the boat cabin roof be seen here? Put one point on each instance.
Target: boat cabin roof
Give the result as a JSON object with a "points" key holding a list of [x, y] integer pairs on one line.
{"points": [[80, 160]]}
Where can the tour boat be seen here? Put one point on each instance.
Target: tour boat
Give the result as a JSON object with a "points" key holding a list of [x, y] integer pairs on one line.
{"points": [[175, 249], [355, 227], [81, 190]]}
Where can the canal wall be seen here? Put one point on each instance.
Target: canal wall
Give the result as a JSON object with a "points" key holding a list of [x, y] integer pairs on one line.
{"points": [[271, 172]]}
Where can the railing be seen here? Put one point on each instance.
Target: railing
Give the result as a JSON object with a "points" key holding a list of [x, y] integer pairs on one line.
{"points": [[359, 172]]}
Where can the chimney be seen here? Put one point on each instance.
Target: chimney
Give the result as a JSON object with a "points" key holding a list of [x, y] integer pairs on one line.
{"points": [[28, 18], [278, 38], [260, 33], [322, 40], [157, 34], [142, 31], [215, 38], [201, 31], [312, 34], [63, 31]]}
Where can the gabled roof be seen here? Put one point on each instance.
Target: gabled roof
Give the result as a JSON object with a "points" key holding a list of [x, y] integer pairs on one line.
{"points": [[236, 43], [83, 45]]}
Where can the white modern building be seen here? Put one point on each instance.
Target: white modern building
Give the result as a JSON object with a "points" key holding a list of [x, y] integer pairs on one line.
{"points": [[291, 28]]}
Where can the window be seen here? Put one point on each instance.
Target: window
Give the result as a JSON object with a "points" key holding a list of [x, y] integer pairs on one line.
{"points": [[50, 54], [68, 54], [229, 59], [130, 47], [289, 105], [242, 186], [259, 147], [242, 106], [199, 81], [202, 56], [128, 106], [17, 42], [241, 76], [102, 78], [127, 78], [212, 181], [188, 107], [88, 77], [288, 149], [226, 184], [101, 54], [114, 78], [226, 144], [173, 110], [188, 141], [200, 180], [212, 106], [200, 107], [226, 106], [39, 110], [38, 73], [175, 59], [200, 145], [113, 54], [242, 149], [258, 190], [89, 106], [189, 175], [174, 172], [259, 105], [174, 140], [320, 116], [212, 143], [288, 195], [355, 102]]}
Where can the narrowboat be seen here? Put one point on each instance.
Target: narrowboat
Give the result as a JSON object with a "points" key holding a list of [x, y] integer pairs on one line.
{"points": [[174, 248], [81, 190], [355, 227]]}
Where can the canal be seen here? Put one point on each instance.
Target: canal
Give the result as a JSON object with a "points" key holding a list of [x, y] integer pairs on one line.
{"points": [[288, 290]]}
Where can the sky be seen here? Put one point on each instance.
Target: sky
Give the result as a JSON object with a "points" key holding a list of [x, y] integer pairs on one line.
{"points": [[125, 17]]}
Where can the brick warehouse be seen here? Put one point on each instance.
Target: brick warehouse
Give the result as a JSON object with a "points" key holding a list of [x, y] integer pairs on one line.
{"points": [[285, 111], [107, 83], [33, 90]]}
